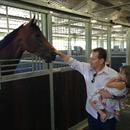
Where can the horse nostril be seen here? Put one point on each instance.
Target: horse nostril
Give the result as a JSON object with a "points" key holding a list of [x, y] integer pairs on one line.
{"points": [[53, 56], [50, 58]]}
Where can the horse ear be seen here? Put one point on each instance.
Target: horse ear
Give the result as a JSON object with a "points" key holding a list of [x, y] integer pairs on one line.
{"points": [[33, 21]]}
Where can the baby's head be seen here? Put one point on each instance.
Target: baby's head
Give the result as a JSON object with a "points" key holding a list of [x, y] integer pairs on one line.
{"points": [[125, 73]]}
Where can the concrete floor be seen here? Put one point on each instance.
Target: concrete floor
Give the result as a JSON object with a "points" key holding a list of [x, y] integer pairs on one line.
{"points": [[123, 124]]}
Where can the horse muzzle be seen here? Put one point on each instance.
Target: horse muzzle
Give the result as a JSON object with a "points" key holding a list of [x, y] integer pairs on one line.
{"points": [[50, 58]]}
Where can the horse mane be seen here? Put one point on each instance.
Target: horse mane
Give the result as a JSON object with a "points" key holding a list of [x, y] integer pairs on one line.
{"points": [[9, 38], [35, 26]]}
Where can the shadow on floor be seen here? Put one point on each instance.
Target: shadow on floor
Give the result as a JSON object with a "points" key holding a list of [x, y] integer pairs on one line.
{"points": [[124, 123]]}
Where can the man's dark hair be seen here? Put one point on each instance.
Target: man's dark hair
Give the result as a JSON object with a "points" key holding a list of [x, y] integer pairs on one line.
{"points": [[101, 53]]}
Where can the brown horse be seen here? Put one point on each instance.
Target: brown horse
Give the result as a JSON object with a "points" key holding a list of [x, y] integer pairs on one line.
{"points": [[27, 37]]}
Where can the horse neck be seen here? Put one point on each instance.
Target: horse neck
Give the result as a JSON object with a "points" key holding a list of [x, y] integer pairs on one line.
{"points": [[10, 54], [12, 51]]}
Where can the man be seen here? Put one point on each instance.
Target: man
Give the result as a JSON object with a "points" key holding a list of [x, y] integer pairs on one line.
{"points": [[96, 74]]}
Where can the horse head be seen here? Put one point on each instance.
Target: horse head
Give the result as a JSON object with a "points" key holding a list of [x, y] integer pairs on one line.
{"points": [[33, 40]]}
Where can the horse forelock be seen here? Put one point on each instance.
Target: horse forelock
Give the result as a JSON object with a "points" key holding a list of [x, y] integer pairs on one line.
{"points": [[9, 38]]}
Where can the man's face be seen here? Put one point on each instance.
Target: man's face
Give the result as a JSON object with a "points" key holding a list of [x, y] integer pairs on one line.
{"points": [[95, 62]]}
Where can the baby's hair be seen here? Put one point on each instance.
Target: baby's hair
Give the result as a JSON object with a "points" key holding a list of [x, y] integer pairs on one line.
{"points": [[126, 70]]}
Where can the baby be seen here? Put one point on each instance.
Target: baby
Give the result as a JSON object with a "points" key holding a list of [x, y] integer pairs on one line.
{"points": [[118, 86]]}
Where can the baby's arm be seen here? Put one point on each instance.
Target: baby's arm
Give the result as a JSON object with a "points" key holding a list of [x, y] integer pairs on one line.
{"points": [[116, 83], [96, 101]]}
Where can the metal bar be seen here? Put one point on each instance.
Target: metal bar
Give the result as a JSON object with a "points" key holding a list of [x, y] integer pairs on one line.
{"points": [[128, 48], [52, 100], [88, 34], [80, 126], [23, 5], [111, 7], [13, 77], [49, 35], [18, 76], [0, 77], [109, 44]]}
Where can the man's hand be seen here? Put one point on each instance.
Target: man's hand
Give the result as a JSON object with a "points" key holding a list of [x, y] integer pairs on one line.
{"points": [[63, 56], [104, 93]]}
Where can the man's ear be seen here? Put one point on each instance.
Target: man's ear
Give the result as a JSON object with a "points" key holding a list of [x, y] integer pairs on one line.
{"points": [[102, 61]]}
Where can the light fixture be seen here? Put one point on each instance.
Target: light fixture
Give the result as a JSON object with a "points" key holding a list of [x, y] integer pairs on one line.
{"points": [[93, 21], [117, 26]]}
